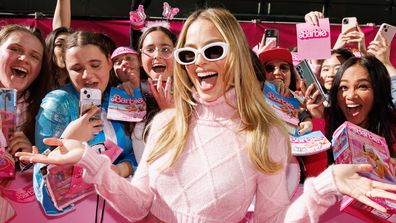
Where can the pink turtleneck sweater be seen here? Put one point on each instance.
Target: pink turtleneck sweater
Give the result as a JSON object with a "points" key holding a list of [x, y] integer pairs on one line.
{"points": [[213, 180]]}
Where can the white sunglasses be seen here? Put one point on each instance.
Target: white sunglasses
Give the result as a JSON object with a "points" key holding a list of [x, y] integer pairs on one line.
{"points": [[211, 52]]}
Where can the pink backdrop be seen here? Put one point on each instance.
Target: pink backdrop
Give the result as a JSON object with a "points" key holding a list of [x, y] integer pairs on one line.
{"points": [[119, 30]]}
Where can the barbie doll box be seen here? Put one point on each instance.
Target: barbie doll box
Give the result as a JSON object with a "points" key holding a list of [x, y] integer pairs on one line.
{"points": [[7, 128], [353, 144], [309, 143], [7, 164], [65, 184], [124, 107], [7, 114], [285, 107]]}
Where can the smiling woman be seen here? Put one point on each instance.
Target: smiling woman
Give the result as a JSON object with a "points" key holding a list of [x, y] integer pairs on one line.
{"points": [[361, 94], [23, 67]]}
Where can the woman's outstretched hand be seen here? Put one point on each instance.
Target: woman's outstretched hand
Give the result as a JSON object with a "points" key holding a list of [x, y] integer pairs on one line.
{"points": [[350, 183], [67, 151]]}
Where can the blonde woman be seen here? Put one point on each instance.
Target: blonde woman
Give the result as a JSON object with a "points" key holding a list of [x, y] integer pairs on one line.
{"points": [[217, 148]]}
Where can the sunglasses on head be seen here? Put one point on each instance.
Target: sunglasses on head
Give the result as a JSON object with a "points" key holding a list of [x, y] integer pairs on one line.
{"points": [[211, 52], [271, 68]]}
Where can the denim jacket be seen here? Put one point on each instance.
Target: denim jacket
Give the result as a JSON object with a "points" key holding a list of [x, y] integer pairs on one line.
{"points": [[60, 107]]}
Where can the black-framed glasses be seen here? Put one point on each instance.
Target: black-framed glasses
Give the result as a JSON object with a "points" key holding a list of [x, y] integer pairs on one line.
{"points": [[211, 52], [269, 68], [163, 51]]}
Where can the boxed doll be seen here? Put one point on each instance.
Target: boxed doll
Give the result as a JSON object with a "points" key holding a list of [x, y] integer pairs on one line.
{"points": [[286, 108], [65, 184], [353, 144], [124, 107], [7, 164]]}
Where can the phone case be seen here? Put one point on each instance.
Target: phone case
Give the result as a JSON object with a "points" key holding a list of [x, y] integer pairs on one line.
{"points": [[90, 97], [8, 103], [348, 23], [306, 74], [271, 34], [388, 31]]}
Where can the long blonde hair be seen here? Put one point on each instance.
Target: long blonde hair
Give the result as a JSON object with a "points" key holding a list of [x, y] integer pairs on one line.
{"points": [[256, 117]]}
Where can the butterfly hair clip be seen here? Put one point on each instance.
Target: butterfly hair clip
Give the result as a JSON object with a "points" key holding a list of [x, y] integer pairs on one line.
{"points": [[169, 12], [137, 18]]}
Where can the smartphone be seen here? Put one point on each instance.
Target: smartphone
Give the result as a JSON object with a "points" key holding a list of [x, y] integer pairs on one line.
{"points": [[348, 23], [388, 31], [89, 98], [306, 74], [271, 34]]}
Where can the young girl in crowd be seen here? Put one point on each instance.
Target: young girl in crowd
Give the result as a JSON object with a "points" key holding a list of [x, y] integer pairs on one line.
{"points": [[23, 67], [54, 45], [330, 66], [156, 53], [55, 41], [219, 147], [126, 67], [156, 56], [87, 60], [279, 69]]}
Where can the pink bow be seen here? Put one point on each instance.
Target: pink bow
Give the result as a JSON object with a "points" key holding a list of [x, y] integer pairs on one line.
{"points": [[169, 12], [137, 18]]}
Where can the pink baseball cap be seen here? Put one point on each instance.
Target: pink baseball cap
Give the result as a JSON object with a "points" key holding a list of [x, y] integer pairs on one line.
{"points": [[122, 50]]}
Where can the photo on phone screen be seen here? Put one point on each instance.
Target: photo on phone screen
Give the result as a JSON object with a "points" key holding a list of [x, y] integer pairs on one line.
{"points": [[348, 24], [271, 35], [306, 74], [89, 98], [388, 31]]}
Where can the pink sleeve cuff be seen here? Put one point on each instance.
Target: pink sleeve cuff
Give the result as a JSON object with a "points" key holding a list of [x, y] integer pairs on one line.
{"points": [[324, 184], [92, 162]]}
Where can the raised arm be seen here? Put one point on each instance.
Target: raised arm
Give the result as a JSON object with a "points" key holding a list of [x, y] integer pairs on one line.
{"points": [[62, 14], [381, 50]]}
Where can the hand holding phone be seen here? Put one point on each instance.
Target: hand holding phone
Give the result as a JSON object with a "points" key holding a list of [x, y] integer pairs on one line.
{"points": [[89, 98], [387, 31], [271, 36], [348, 24], [306, 74]]}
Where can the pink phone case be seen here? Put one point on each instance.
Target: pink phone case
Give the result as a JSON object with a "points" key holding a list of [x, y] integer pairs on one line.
{"points": [[388, 31], [348, 23]]}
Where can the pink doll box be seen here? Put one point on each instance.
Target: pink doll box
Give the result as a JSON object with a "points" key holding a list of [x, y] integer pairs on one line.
{"points": [[353, 144], [7, 164], [65, 183]]}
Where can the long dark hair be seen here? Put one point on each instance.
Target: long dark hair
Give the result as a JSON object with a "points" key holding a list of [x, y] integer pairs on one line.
{"points": [[382, 117], [54, 70], [39, 87], [151, 103]]}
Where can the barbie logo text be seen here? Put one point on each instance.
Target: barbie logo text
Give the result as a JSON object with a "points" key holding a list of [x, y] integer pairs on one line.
{"points": [[306, 140], [281, 101], [367, 134], [128, 101], [313, 34]]}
